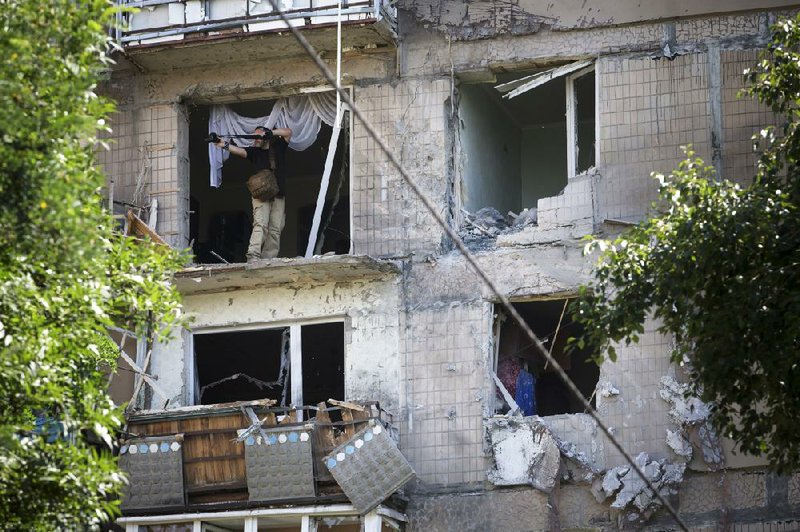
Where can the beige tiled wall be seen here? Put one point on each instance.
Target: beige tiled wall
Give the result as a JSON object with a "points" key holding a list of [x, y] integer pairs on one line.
{"points": [[388, 219], [145, 159], [648, 110], [741, 117], [638, 415], [446, 386]]}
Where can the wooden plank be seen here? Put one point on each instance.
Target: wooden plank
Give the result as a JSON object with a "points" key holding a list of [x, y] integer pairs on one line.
{"points": [[345, 404], [323, 439], [269, 420], [323, 431], [349, 428], [290, 418], [137, 227], [194, 433]]}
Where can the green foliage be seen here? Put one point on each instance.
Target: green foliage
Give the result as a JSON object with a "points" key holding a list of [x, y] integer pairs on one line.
{"points": [[717, 266], [64, 275]]}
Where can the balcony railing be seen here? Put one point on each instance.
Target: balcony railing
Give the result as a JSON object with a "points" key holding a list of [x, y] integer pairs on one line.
{"points": [[246, 454], [160, 21]]}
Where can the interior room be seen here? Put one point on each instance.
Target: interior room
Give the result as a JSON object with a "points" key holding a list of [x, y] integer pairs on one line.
{"points": [[552, 325], [256, 364], [514, 151], [221, 218]]}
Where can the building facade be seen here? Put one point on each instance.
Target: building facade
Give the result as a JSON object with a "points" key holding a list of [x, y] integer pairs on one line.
{"points": [[529, 125]]}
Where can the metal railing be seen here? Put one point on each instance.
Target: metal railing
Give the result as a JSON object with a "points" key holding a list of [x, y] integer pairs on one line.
{"points": [[154, 21]]}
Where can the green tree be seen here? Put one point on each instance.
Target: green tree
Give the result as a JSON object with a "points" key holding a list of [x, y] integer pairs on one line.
{"points": [[717, 266], [65, 276]]}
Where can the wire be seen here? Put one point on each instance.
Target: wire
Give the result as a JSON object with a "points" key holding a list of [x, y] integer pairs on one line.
{"points": [[471, 260]]}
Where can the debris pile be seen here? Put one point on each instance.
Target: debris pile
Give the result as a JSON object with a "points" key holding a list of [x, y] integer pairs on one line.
{"points": [[630, 492], [480, 229]]}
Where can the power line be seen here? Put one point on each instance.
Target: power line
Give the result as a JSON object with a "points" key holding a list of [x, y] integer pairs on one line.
{"points": [[471, 260]]}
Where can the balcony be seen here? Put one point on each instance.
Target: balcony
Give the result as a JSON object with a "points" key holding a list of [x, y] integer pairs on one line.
{"points": [[245, 455], [181, 24]]}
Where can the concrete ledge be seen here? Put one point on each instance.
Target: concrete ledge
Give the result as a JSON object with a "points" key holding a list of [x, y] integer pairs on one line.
{"points": [[209, 278]]}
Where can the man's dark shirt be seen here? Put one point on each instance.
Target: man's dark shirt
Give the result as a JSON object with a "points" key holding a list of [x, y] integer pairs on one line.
{"points": [[260, 158]]}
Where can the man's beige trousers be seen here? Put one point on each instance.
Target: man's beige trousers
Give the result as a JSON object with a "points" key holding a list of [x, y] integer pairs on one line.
{"points": [[269, 217]]}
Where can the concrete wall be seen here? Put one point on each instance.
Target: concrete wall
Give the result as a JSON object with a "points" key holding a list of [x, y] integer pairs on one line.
{"points": [[411, 116], [490, 147], [546, 177], [372, 331], [482, 20]]}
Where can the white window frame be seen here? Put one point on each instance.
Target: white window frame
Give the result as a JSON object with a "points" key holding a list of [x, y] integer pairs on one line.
{"points": [[295, 352], [572, 122], [572, 71]]}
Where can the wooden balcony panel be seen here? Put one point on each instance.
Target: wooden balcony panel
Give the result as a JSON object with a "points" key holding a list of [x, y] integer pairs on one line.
{"points": [[214, 462]]}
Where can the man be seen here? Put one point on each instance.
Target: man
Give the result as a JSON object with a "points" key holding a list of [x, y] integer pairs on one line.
{"points": [[269, 216]]}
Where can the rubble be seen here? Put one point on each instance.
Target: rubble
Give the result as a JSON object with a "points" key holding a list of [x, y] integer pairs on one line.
{"points": [[679, 444], [579, 468], [686, 409], [525, 218], [525, 453], [692, 416], [480, 229], [630, 491]]}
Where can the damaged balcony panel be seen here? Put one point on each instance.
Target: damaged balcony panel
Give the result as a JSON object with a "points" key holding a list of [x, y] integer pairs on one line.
{"points": [[213, 462], [280, 464], [524, 452], [369, 467], [155, 469], [165, 34], [239, 454]]}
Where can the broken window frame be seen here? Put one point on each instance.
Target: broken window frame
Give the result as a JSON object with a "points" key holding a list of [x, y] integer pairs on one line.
{"points": [[572, 71], [295, 354], [572, 122]]}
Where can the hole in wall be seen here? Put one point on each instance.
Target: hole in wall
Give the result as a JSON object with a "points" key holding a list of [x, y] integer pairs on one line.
{"points": [[514, 151], [516, 355]]}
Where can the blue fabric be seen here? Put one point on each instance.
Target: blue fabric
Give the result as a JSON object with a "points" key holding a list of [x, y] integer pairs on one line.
{"points": [[525, 394]]}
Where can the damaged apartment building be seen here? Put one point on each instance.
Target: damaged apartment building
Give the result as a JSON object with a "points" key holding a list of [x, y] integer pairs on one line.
{"points": [[366, 379]]}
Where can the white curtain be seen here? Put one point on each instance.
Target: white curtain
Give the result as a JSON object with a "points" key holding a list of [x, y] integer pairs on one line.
{"points": [[302, 114]]}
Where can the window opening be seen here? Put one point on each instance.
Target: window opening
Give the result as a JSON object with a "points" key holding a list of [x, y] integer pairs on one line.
{"points": [[241, 366], [521, 139], [260, 364], [220, 219], [516, 356], [323, 362]]}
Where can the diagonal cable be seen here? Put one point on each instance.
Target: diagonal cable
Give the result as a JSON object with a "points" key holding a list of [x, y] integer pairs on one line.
{"points": [[471, 260]]}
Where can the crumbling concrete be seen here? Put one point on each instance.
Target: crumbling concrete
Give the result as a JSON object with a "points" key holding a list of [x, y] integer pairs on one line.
{"points": [[631, 494], [693, 419], [607, 390], [525, 453]]}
